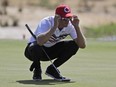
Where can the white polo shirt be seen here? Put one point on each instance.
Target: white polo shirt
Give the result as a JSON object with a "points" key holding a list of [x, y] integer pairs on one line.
{"points": [[46, 24]]}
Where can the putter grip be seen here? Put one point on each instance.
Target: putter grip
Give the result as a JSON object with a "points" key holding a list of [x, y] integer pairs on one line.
{"points": [[30, 31]]}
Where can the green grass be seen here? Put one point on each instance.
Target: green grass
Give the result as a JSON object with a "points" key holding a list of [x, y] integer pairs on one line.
{"points": [[101, 31], [94, 66]]}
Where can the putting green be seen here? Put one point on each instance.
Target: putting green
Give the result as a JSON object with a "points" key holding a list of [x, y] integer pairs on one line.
{"points": [[94, 66]]}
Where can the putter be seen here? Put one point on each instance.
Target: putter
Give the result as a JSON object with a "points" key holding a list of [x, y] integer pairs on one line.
{"points": [[41, 47], [45, 53]]}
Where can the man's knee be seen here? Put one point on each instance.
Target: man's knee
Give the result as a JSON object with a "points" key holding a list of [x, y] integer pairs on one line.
{"points": [[27, 54], [33, 52], [73, 48]]}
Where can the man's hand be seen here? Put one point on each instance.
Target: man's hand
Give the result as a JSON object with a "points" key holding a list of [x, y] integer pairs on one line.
{"points": [[75, 21], [56, 20]]}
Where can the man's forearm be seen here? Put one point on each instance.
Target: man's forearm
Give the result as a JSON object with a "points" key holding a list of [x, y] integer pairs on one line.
{"points": [[81, 41], [44, 37]]}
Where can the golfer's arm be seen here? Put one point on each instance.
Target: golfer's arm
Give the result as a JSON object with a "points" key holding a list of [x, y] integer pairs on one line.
{"points": [[80, 40], [44, 37]]}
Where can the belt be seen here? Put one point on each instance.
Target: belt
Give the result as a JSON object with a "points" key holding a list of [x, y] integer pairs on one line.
{"points": [[32, 43]]}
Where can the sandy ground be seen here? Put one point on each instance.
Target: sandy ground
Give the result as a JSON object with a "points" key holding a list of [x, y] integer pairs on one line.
{"points": [[32, 16]]}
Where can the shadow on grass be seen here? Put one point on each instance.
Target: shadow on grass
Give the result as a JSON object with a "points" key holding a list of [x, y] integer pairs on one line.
{"points": [[43, 82]]}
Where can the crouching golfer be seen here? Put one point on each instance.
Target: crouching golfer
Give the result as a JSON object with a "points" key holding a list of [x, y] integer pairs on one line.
{"points": [[49, 34]]}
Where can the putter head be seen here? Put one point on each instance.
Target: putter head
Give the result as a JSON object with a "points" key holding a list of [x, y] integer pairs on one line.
{"points": [[63, 79]]}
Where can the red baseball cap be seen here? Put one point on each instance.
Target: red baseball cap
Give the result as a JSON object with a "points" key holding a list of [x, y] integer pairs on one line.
{"points": [[64, 11]]}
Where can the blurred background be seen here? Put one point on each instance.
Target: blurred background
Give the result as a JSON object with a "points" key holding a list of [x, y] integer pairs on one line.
{"points": [[97, 17]]}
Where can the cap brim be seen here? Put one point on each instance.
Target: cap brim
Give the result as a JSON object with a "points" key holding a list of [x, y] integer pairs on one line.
{"points": [[68, 15]]}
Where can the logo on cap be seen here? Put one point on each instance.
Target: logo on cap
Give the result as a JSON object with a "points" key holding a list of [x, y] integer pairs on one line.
{"points": [[66, 10]]}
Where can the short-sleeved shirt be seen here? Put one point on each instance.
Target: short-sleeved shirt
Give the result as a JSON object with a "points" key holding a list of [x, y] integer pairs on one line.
{"points": [[46, 24]]}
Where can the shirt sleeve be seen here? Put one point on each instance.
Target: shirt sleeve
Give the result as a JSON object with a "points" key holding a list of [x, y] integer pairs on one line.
{"points": [[73, 33], [43, 26]]}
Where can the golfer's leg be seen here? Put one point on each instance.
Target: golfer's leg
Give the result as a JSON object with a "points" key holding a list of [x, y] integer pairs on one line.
{"points": [[36, 53], [69, 48], [27, 54]]}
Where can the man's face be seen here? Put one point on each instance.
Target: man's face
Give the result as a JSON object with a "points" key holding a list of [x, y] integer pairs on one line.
{"points": [[64, 22]]}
